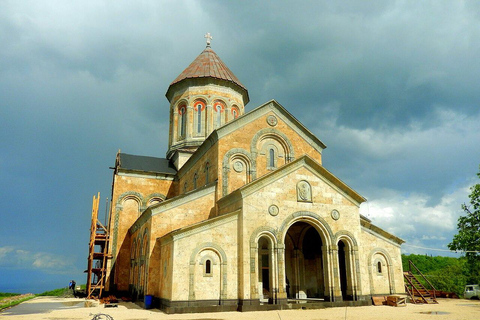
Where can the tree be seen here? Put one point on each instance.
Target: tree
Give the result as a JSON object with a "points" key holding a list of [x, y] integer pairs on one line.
{"points": [[468, 237]]}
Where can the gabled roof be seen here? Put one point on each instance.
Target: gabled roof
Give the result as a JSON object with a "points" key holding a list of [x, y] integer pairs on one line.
{"points": [[209, 65], [276, 107], [369, 227], [132, 162], [304, 161], [246, 118], [172, 203]]}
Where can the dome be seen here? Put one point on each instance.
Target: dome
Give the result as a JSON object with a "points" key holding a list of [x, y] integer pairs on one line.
{"points": [[208, 65]]}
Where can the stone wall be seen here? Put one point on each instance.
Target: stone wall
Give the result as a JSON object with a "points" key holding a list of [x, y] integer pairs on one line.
{"points": [[214, 240], [388, 277], [132, 194], [250, 148], [171, 215]]}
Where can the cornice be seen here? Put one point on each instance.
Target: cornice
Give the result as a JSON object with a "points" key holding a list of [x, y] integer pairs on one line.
{"points": [[304, 161], [198, 227], [232, 126], [379, 232], [145, 174], [170, 204], [280, 111]]}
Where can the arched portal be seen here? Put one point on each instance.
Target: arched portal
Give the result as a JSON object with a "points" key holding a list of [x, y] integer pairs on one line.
{"points": [[265, 268], [348, 271], [342, 266], [304, 262]]}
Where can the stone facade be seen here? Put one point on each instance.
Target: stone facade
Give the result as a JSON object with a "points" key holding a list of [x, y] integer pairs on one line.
{"points": [[244, 217]]}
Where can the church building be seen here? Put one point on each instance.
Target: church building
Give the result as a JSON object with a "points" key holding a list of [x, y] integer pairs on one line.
{"points": [[241, 214]]}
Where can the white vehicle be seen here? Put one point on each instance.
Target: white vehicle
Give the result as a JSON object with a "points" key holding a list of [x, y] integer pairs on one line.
{"points": [[472, 291]]}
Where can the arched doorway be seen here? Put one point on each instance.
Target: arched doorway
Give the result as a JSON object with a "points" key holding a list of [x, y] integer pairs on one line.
{"points": [[348, 273], [304, 262], [342, 266], [264, 270]]}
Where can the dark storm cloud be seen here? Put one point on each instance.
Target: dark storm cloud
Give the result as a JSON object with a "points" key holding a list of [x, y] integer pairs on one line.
{"points": [[385, 64], [390, 87]]}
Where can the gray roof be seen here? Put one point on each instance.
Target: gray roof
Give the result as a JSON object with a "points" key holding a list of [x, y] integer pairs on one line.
{"points": [[145, 164]]}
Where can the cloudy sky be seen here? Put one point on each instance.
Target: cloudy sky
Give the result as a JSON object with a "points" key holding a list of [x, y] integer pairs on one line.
{"points": [[391, 87]]}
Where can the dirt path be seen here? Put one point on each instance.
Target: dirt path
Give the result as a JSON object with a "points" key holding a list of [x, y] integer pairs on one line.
{"points": [[71, 308]]}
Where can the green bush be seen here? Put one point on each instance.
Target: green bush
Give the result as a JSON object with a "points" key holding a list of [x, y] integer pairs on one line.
{"points": [[444, 273]]}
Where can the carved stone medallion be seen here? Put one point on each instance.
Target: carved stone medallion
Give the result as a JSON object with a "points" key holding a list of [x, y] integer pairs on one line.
{"points": [[273, 210], [304, 192], [272, 120], [335, 215], [238, 166]]}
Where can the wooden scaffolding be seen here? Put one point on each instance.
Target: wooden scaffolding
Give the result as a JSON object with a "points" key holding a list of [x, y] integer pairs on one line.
{"points": [[418, 292], [98, 255]]}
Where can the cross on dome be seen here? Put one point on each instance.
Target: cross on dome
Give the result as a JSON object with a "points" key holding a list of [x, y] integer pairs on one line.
{"points": [[209, 38]]}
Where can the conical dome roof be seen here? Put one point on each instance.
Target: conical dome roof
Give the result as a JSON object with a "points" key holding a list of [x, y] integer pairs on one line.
{"points": [[209, 65]]}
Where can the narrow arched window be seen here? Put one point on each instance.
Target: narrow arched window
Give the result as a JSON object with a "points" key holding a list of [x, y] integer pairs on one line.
{"points": [[183, 120], [132, 252], [185, 187], [219, 116], [379, 267], [145, 244], [207, 169], [199, 108], [199, 120], [218, 108], [271, 160], [208, 267], [137, 253], [195, 178], [234, 113]]}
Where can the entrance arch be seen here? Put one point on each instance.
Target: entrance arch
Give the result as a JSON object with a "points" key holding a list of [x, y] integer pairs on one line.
{"points": [[266, 274], [342, 268], [348, 266], [304, 265], [308, 259]]}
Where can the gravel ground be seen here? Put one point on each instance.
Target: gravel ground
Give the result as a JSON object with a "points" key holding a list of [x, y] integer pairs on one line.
{"points": [[71, 308]]}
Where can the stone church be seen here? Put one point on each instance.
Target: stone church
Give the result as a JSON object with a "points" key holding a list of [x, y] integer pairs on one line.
{"points": [[241, 214]]}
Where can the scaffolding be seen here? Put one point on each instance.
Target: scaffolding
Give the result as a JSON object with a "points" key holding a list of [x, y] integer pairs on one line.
{"points": [[98, 255]]}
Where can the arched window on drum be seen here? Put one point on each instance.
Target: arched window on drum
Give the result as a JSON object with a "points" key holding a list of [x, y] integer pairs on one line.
{"points": [[235, 112], [199, 107], [218, 108], [182, 121]]}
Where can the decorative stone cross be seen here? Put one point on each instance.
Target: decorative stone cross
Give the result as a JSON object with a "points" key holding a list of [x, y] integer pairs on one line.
{"points": [[209, 38]]}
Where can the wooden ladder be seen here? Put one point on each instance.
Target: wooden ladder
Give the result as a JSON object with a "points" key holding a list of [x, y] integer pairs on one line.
{"points": [[417, 292]]}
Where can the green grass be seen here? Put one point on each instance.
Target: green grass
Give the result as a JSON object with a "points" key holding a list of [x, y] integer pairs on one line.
{"points": [[8, 294], [10, 301], [61, 292], [55, 293]]}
